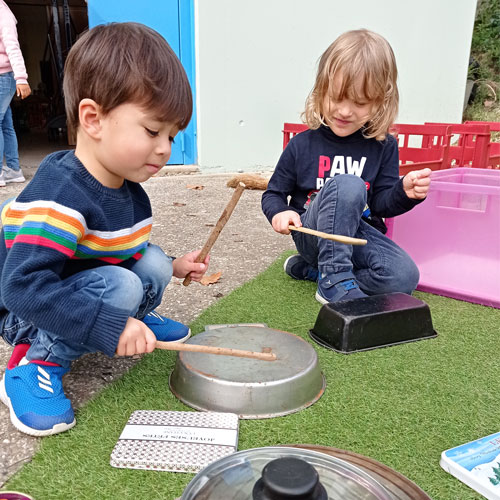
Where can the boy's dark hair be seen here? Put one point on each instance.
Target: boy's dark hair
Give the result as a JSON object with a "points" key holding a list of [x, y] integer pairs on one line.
{"points": [[126, 62]]}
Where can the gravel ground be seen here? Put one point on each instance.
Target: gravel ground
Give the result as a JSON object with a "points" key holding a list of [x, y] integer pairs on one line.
{"points": [[183, 219]]}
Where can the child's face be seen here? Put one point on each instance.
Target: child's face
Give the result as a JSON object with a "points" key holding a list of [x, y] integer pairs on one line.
{"points": [[347, 115], [134, 145]]}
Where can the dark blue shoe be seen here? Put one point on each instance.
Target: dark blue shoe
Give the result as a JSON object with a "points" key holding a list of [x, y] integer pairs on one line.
{"points": [[34, 393], [166, 329], [298, 269], [337, 287]]}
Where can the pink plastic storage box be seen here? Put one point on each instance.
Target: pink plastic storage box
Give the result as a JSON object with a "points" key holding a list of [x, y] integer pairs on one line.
{"points": [[454, 235]]}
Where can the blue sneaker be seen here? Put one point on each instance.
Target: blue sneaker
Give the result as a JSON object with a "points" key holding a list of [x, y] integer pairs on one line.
{"points": [[337, 287], [34, 393], [298, 269], [166, 329]]}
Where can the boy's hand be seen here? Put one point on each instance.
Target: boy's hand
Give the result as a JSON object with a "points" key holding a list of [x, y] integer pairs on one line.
{"points": [[282, 220], [136, 338], [186, 264], [416, 183]]}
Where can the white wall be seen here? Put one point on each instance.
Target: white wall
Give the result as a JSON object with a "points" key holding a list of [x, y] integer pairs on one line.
{"points": [[256, 63]]}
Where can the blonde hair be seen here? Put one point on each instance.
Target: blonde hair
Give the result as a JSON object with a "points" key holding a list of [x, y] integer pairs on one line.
{"points": [[359, 56]]}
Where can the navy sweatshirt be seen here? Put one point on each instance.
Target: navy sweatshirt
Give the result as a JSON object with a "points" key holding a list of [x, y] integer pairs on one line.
{"points": [[313, 156]]}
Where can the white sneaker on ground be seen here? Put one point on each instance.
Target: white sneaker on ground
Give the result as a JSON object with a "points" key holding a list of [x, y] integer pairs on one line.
{"points": [[2, 180], [10, 175]]}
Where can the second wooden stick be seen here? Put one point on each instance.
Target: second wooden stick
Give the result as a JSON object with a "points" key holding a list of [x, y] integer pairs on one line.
{"points": [[218, 227]]}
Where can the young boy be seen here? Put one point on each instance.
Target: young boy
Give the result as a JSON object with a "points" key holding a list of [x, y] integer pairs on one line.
{"points": [[77, 272], [347, 161]]}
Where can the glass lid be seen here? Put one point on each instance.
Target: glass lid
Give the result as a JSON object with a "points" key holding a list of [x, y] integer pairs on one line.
{"points": [[279, 473]]}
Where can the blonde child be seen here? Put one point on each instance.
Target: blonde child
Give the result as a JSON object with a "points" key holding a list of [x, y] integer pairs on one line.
{"points": [[78, 274], [342, 176]]}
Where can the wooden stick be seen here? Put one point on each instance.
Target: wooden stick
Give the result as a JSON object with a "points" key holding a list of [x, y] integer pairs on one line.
{"points": [[335, 237], [223, 351], [218, 228]]}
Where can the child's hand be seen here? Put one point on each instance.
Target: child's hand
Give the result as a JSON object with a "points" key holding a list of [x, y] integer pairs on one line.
{"points": [[416, 183], [186, 264], [136, 338], [282, 220]]}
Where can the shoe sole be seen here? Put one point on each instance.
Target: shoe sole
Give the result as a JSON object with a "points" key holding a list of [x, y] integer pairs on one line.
{"points": [[320, 299], [183, 339], [286, 262], [8, 181], [186, 337], [284, 267], [24, 428], [293, 277]]}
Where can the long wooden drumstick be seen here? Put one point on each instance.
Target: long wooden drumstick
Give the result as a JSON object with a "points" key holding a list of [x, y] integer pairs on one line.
{"points": [[218, 227], [335, 237], [223, 351]]}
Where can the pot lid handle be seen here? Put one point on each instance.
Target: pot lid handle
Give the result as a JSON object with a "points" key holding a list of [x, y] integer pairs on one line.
{"points": [[289, 478]]}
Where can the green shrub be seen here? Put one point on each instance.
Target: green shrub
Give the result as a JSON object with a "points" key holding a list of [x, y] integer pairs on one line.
{"points": [[486, 39]]}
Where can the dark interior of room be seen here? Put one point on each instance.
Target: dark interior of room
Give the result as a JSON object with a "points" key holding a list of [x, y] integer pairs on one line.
{"points": [[46, 31]]}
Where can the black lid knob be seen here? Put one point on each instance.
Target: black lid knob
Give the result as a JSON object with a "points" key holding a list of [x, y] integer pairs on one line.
{"points": [[289, 478]]}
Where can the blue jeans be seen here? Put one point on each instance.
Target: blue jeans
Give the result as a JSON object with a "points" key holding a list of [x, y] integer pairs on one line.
{"points": [[8, 139], [140, 290], [378, 267]]}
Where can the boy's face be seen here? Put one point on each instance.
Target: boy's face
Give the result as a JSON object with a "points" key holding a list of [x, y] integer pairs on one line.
{"points": [[134, 145], [347, 115]]}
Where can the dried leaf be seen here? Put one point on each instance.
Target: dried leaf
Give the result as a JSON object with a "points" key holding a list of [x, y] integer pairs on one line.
{"points": [[178, 204], [197, 187], [210, 280]]}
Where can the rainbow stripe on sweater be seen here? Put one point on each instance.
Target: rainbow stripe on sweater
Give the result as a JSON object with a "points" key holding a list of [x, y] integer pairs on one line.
{"points": [[49, 224]]}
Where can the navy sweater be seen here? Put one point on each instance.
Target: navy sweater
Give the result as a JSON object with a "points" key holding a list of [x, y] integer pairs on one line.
{"points": [[313, 156], [64, 222]]}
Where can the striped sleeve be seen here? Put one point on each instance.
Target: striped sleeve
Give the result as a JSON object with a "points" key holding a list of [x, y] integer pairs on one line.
{"points": [[43, 223], [52, 225]]}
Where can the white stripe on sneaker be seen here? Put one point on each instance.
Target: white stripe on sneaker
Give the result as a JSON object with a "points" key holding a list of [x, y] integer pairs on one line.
{"points": [[44, 382], [155, 315], [43, 372]]}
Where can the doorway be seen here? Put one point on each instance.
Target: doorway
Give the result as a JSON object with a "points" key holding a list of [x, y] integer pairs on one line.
{"points": [[46, 31]]}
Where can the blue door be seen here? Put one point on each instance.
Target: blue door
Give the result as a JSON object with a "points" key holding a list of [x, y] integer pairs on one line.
{"points": [[174, 20]]}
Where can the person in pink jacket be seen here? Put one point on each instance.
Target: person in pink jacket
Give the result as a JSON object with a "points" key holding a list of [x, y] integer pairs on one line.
{"points": [[13, 79]]}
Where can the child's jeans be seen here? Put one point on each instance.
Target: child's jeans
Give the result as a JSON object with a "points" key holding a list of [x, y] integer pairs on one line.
{"points": [[378, 267], [8, 139], [139, 290]]}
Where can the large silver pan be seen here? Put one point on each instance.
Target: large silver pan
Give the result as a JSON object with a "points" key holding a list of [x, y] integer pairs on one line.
{"points": [[248, 387]]}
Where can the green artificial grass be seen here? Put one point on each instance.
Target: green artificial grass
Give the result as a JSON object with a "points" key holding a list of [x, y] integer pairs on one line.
{"points": [[401, 405]]}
